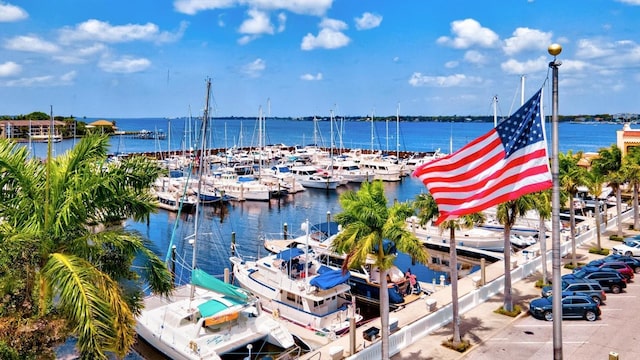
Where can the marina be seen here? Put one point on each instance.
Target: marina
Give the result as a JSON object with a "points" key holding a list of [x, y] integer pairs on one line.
{"points": [[252, 221]]}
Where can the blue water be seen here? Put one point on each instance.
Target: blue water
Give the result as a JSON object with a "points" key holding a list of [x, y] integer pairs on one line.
{"points": [[252, 221]]}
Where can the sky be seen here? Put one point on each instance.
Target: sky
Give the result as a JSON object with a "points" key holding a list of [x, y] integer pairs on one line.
{"points": [[291, 58]]}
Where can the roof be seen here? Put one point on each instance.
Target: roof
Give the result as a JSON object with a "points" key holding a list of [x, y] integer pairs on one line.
{"points": [[101, 123]]}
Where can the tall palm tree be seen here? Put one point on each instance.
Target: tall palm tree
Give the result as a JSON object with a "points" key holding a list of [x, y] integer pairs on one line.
{"points": [[631, 171], [428, 210], [75, 258], [609, 163], [507, 214], [571, 176], [594, 183], [367, 222]]}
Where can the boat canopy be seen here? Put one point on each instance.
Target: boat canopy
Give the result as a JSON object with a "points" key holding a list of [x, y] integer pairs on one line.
{"points": [[329, 278], [213, 307], [289, 254], [202, 279]]}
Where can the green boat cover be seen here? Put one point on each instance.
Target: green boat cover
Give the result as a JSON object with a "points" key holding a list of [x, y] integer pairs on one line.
{"points": [[211, 308], [202, 279]]}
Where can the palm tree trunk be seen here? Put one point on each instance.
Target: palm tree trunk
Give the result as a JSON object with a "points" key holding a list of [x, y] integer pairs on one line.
{"points": [[542, 238], [619, 210], [572, 216], [597, 214], [384, 314], [455, 308], [635, 207], [508, 300]]}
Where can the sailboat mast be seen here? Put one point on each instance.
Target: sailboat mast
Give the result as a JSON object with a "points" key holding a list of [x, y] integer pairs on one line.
{"points": [[203, 139], [398, 132]]}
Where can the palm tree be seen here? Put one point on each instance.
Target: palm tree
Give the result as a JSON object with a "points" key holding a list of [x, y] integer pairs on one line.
{"points": [[571, 176], [631, 171], [594, 184], [367, 222], [74, 258], [428, 210], [507, 214], [542, 204], [609, 163]]}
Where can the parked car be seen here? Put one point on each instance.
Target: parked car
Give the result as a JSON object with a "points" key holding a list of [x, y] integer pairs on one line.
{"points": [[633, 263], [609, 280], [589, 287], [618, 266], [575, 306], [628, 248]]}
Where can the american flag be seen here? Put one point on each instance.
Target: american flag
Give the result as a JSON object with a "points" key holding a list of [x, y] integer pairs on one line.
{"points": [[507, 162]]}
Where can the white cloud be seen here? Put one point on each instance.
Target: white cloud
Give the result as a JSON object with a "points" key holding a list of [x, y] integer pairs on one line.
{"points": [[80, 55], [418, 79], [43, 81], [68, 77], [630, 2], [96, 30], [396, 59], [124, 65], [11, 13], [305, 7], [282, 20], [311, 77], [368, 21], [258, 23], [526, 39], [515, 67], [451, 64], [254, 68], [9, 68], [595, 48], [468, 33], [475, 57], [329, 37], [31, 82], [31, 43]]}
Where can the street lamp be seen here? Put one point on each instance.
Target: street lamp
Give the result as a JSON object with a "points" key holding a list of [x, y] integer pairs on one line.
{"points": [[555, 50]]}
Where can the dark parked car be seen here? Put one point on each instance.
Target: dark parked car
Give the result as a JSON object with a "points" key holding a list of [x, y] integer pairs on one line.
{"points": [[629, 260], [590, 287], [618, 266], [573, 307], [609, 280]]}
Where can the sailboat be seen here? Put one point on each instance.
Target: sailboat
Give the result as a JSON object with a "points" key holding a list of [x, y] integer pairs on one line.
{"points": [[206, 318]]}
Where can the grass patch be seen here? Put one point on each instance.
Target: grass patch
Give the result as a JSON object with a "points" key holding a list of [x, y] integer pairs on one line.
{"points": [[571, 266], [463, 346], [513, 313], [616, 238], [602, 251], [541, 283]]}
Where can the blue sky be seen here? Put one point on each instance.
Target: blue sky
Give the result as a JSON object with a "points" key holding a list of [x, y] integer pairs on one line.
{"points": [[150, 58]]}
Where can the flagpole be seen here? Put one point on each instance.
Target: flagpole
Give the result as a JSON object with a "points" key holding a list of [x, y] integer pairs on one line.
{"points": [[555, 50]]}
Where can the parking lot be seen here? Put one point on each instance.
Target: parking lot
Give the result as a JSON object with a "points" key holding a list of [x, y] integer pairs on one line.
{"points": [[616, 331]]}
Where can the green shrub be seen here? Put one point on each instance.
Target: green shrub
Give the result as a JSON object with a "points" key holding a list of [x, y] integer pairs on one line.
{"points": [[602, 251], [515, 312], [541, 283], [616, 238], [463, 346]]}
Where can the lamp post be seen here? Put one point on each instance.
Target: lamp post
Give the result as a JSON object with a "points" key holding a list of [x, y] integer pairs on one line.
{"points": [[555, 50]]}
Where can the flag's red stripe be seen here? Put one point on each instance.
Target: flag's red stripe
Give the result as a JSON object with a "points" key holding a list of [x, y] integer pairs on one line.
{"points": [[504, 183], [440, 184]]}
